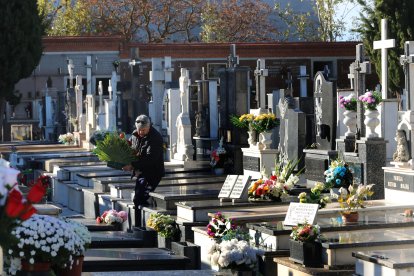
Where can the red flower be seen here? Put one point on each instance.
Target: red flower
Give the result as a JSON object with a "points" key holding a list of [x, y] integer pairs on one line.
{"points": [[36, 193], [99, 219], [30, 210], [273, 177], [14, 204]]}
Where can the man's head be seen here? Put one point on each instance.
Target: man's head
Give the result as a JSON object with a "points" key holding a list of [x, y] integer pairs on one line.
{"points": [[142, 124]]}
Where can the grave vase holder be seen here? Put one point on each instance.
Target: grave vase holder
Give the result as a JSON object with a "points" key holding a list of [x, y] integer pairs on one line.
{"points": [[371, 122], [350, 121], [266, 139], [350, 217], [75, 270], [252, 138], [164, 242], [36, 268], [306, 253]]}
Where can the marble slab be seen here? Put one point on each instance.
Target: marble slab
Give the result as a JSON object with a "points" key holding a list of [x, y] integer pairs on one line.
{"points": [[68, 173], [48, 163], [47, 209], [111, 239], [288, 267], [84, 178]]}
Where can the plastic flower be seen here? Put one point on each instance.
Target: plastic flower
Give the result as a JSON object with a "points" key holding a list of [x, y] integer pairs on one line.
{"points": [[338, 174], [305, 232], [219, 226], [244, 121], [371, 100], [315, 196], [265, 122], [112, 217], [267, 189], [348, 102], [353, 197]]}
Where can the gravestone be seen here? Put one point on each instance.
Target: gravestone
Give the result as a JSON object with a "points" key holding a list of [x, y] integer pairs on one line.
{"points": [[317, 160], [101, 113], [80, 117], [173, 110], [227, 187], [234, 100], [399, 179], [239, 191], [110, 109]]}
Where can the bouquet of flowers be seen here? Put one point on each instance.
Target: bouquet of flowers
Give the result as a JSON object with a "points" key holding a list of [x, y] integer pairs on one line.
{"points": [[165, 225], [348, 102], [267, 189], [219, 226], [353, 198], [284, 173], [338, 174], [218, 156], [305, 232], [112, 217], [315, 196], [244, 121], [14, 208], [44, 239], [265, 122], [371, 100], [233, 254], [115, 150], [67, 138]]}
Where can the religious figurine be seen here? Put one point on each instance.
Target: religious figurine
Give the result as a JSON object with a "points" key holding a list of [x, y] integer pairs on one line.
{"points": [[401, 154], [198, 124]]}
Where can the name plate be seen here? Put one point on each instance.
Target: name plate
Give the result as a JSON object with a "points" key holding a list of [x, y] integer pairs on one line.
{"points": [[251, 163], [299, 213], [228, 186], [397, 181], [240, 187]]}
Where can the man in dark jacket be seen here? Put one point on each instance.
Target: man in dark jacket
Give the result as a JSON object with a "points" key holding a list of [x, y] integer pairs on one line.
{"points": [[149, 168]]}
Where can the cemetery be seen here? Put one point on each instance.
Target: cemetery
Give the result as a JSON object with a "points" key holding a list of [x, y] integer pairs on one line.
{"points": [[278, 158]]}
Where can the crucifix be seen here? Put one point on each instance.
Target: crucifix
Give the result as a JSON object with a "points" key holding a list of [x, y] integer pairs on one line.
{"points": [[260, 74], [384, 44], [407, 61]]}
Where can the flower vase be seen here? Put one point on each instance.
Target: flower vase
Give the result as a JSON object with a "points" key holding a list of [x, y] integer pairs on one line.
{"points": [[306, 253], [350, 121], [164, 242], [266, 139], [371, 122], [218, 171], [350, 217], [38, 268], [252, 138], [75, 270]]}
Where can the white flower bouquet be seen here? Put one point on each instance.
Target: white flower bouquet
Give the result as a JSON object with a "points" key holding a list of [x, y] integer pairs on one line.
{"points": [[84, 235], [44, 239], [233, 254], [67, 138]]}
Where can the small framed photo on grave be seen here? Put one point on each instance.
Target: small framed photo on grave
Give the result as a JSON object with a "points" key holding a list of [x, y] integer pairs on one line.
{"points": [[21, 133], [299, 213], [227, 187], [213, 70]]}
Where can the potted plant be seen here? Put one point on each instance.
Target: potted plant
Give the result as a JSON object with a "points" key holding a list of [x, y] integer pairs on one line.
{"points": [[351, 199], [167, 228], [218, 158], [315, 196], [304, 245], [43, 241], [371, 100], [350, 116]]}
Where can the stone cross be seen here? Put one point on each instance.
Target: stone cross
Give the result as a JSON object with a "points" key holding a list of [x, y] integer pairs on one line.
{"points": [[326, 71], [303, 81], [384, 44], [260, 74], [407, 61], [79, 98], [233, 59], [71, 68], [100, 93]]}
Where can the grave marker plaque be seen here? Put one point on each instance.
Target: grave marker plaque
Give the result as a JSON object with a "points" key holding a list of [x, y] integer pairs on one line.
{"points": [[240, 187], [228, 186], [398, 181], [299, 213], [251, 163]]}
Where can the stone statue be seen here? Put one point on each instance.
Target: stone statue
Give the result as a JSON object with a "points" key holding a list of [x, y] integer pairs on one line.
{"points": [[198, 124], [401, 154]]}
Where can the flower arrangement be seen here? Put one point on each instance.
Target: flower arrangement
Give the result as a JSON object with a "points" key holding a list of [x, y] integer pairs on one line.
{"points": [[284, 172], [315, 196], [112, 217], [244, 121], [14, 208], [44, 239], [233, 254], [353, 197], [219, 226], [348, 102], [371, 100], [265, 122], [305, 232], [338, 174], [165, 225], [67, 138], [218, 156], [267, 189]]}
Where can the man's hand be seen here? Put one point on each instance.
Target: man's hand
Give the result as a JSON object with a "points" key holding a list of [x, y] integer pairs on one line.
{"points": [[127, 168]]}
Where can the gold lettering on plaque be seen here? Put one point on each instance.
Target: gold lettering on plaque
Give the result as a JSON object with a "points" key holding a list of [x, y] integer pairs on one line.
{"points": [[405, 186], [392, 184], [398, 178]]}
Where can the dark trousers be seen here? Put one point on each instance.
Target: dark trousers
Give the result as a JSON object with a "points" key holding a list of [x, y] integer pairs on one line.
{"points": [[141, 198]]}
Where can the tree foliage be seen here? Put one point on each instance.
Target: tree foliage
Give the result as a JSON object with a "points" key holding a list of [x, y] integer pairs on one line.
{"points": [[400, 27]]}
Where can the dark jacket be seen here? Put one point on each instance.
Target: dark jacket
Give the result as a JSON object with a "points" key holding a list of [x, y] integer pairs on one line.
{"points": [[150, 155]]}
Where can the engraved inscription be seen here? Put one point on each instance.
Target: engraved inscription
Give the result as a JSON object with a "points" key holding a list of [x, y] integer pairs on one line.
{"points": [[392, 184], [398, 178], [405, 186], [399, 181], [251, 163]]}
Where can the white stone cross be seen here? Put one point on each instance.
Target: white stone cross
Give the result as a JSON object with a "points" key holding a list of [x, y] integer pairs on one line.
{"points": [[384, 44], [260, 73]]}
